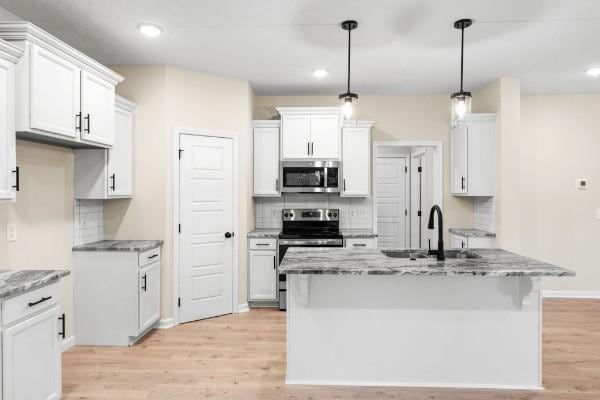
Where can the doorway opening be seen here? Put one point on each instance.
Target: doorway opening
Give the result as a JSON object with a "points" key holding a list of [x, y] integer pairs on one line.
{"points": [[407, 182]]}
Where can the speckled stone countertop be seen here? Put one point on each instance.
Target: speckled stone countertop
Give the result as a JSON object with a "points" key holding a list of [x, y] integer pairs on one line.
{"points": [[336, 261], [471, 232], [119, 245], [264, 233], [358, 234], [13, 282]]}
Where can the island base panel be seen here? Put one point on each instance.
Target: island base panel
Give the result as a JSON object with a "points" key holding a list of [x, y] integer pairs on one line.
{"points": [[428, 331]]}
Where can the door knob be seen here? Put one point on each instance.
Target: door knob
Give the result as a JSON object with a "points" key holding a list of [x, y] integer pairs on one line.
{"points": [[228, 235]]}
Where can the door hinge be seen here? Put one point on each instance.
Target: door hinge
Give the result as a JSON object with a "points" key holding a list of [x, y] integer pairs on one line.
{"points": [[420, 169], [179, 228], [405, 211], [405, 170], [419, 213], [179, 302], [180, 151]]}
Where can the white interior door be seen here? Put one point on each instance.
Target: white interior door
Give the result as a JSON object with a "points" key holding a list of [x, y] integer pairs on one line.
{"points": [[206, 215], [392, 205]]}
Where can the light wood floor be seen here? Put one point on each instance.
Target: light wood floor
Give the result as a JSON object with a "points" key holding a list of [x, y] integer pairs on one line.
{"points": [[243, 357]]}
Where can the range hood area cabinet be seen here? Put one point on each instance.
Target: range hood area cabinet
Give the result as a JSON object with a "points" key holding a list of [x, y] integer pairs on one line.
{"points": [[9, 174], [265, 158], [310, 133], [356, 158], [63, 97], [473, 156], [108, 173]]}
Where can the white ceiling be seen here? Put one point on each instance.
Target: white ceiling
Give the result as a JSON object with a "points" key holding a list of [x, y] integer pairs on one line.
{"points": [[400, 46]]}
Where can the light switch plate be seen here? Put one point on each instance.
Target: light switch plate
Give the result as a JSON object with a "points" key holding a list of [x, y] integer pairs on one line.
{"points": [[11, 232]]}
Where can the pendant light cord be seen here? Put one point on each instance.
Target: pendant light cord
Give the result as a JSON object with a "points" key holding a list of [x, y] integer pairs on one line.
{"points": [[462, 51], [349, 39]]}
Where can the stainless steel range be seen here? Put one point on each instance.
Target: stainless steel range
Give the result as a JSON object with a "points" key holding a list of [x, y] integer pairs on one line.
{"points": [[314, 227]]}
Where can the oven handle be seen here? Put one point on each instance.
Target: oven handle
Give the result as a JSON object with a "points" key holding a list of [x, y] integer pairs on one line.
{"points": [[320, 242]]}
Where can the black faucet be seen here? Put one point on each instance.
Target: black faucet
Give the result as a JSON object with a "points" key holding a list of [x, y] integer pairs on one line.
{"points": [[440, 250]]}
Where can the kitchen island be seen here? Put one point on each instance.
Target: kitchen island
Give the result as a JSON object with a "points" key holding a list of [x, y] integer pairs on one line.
{"points": [[359, 317]]}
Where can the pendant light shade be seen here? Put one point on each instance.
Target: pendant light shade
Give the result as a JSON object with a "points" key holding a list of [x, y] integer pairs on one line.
{"points": [[461, 100], [348, 99]]}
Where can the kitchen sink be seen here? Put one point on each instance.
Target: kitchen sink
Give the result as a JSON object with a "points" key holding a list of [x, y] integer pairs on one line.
{"points": [[460, 254]]}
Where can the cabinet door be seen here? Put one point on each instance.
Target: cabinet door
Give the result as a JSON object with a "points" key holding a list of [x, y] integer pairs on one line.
{"points": [[149, 295], [325, 136], [356, 148], [295, 136], [458, 148], [55, 93], [120, 156], [7, 132], [98, 109], [31, 361], [266, 162], [263, 275]]}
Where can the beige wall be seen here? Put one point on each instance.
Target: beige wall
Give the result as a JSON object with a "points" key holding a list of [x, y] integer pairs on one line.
{"points": [[397, 118], [43, 213], [170, 98]]}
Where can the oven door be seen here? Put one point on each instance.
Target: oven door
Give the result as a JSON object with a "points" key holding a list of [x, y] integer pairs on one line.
{"points": [[309, 177]]}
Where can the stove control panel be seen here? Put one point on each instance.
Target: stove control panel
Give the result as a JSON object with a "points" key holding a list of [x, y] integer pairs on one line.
{"points": [[310, 214]]}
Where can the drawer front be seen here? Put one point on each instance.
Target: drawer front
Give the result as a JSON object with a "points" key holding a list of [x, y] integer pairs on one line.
{"points": [[263, 244], [25, 304], [149, 256], [360, 243]]}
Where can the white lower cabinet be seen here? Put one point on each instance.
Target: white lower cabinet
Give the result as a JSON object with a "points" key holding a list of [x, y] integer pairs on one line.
{"points": [[470, 242], [361, 243], [262, 277], [116, 296], [31, 350]]}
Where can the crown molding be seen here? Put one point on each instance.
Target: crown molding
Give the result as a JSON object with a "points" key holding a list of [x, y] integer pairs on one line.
{"points": [[10, 52], [16, 31], [124, 103], [307, 110], [266, 123], [358, 124]]}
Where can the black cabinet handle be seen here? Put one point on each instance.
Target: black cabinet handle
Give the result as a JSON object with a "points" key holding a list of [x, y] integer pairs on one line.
{"points": [[17, 184], [359, 245], [312, 148], [144, 285], [308, 148], [63, 331], [153, 256], [87, 118], [274, 262], [43, 299], [114, 182], [78, 122], [462, 182], [344, 184]]}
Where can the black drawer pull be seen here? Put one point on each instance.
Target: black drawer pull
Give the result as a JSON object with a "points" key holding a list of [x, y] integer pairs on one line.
{"points": [[144, 285], [359, 244], [62, 333], [153, 256], [43, 299], [262, 244]]}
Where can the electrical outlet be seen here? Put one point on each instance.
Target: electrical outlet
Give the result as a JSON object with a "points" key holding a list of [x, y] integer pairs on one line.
{"points": [[11, 232]]}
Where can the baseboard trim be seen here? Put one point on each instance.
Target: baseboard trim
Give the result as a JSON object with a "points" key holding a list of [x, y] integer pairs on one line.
{"points": [[166, 323], [571, 294], [414, 384], [242, 308], [68, 343]]}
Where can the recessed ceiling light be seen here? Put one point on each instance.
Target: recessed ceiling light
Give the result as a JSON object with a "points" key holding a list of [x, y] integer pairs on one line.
{"points": [[320, 73], [593, 71], [150, 30]]}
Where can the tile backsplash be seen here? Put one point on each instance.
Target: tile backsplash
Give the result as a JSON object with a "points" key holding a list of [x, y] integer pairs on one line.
{"points": [[355, 212], [88, 221], [483, 216]]}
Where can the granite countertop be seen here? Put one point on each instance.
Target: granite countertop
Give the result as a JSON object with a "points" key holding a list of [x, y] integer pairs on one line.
{"points": [[264, 233], [119, 245], [336, 261], [13, 282], [471, 232], [358, 234]]}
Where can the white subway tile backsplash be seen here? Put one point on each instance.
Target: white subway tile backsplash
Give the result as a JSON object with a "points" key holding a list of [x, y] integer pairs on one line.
{"points": [[88, 221], [484, 214]]}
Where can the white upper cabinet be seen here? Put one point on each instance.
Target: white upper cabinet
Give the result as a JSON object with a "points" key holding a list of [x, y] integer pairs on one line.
{"points": [[97, 109], [356, 158], [9, 178], [108, 173], [265, 158], [473, 156], [55, 95], [62, 97], [310, 133]]}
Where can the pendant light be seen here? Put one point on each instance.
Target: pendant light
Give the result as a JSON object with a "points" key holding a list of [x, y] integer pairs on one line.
{"points": [[461, 101], [348, 99]]}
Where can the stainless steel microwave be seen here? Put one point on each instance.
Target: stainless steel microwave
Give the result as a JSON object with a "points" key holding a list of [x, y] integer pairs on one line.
{"points": [[310, 176]]}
